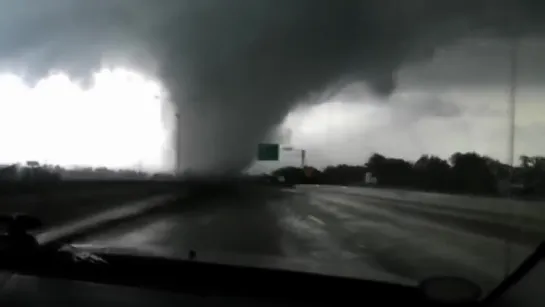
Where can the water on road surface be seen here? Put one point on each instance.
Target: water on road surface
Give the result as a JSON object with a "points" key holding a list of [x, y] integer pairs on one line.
{"points": [[328, 231]]}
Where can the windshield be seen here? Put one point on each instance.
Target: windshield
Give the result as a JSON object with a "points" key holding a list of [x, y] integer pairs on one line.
{"points": [[354, 138]]}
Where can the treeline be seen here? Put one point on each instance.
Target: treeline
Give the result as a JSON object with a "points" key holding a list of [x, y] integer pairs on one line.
{"points": [[468, 173], [34, 171]]}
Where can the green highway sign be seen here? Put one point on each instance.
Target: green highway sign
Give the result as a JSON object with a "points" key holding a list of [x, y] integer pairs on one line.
{"points": [[268, 152]]}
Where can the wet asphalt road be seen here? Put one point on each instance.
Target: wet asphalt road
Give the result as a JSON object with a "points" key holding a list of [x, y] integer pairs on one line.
{"points": [[328, 231]]}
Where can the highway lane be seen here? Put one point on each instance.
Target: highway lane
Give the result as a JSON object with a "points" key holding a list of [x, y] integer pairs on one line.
{"points": [[326, 231]]}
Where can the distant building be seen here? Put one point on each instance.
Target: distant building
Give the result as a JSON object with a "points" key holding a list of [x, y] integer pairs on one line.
{"points": [[32, 164]]}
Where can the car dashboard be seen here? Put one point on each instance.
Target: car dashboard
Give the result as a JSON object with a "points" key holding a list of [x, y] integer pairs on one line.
{"points": [[141, 281], [57, 277]]}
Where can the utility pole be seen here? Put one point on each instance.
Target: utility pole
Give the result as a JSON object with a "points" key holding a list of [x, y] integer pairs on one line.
{"points": [[513, 59], [177, 145], [512, 100]]}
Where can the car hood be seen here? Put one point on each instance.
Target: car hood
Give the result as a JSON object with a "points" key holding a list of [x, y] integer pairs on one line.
{"points": [[350, 268]]}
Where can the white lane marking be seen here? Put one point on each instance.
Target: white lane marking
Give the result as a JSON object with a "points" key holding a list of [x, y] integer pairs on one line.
{"points": [[315, 219]]}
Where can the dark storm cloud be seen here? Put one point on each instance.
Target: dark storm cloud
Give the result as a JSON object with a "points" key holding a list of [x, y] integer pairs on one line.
{"points": [[77, 37], [234, 69], [480, 62]]}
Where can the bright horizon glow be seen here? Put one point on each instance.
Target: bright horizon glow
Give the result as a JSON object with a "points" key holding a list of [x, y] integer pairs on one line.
{"points": [[327, 122], [116, 122]]}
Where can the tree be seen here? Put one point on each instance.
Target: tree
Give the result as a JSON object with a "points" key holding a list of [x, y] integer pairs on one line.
{"points": [[343, 174], [471, 174], [524, 161], [9, 172], [531, 174], [462, 173], [390, 171], [432, 173], [291, 174]]}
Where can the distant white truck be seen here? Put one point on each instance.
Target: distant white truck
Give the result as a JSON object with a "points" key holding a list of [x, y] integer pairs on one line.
{"points": [[370, 179]]}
